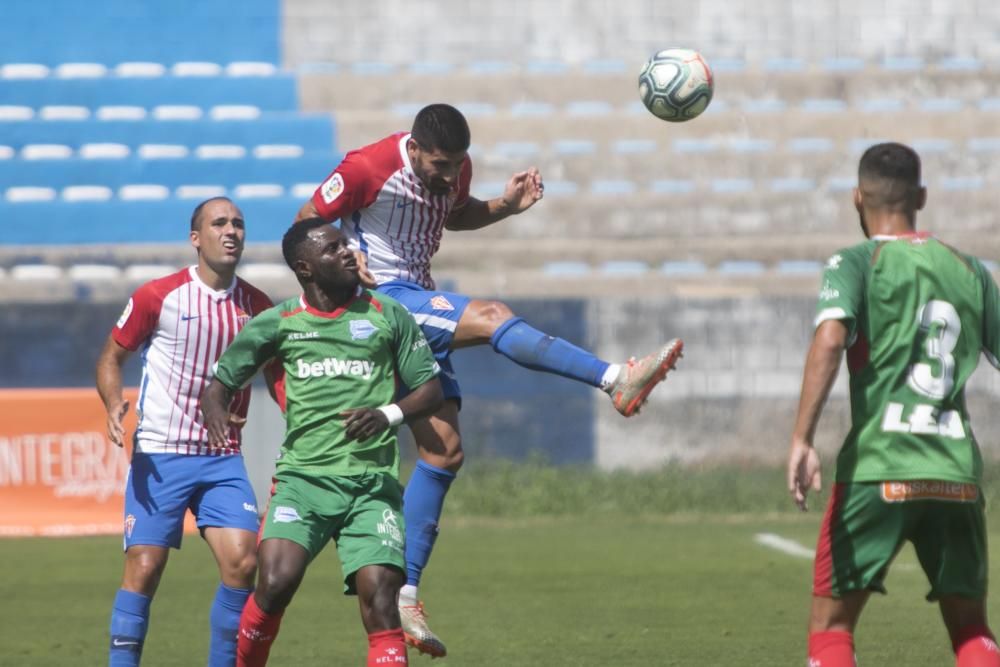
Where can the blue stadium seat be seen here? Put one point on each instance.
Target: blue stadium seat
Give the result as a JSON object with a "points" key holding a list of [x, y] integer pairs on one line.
{"points": [[624, 268], [843, 64], [270, 93], [960, 64], [787, 185], [824, 105], [941, 105], [561, 188], [882, 105], [431, 68], [810, 145], [783, 65], [764, 106], [683, 268], [962, 183], [750, 145], [931, 145], [489, 67], [573, 146], [546, 67], [314, 131], [516, 148], [588, 108], [798, 267], [612, 187], [372, 68], [667, 186], [902, 64], [311, 168], [984, 144], [732, 185], [114, 31], [605, 66], [632, 146], [740, 267], [566, 269], [118, 221], [727, 64]]}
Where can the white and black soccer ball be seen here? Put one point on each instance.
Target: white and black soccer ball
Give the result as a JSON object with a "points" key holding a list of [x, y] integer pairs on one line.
{"points": [[676, 84]]}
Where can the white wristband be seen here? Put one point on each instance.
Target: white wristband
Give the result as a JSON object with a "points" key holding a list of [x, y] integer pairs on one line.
{"points": [[392, 413]]}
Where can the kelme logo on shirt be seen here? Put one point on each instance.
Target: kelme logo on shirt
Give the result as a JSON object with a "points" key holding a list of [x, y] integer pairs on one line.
{"points": [[334, 367]]}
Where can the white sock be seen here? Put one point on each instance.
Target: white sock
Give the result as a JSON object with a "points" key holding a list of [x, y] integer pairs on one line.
{"points": [[408, 595], [610, 376]]}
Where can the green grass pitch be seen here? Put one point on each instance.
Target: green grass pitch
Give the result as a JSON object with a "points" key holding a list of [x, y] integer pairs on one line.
{"points": [[616, 586]]}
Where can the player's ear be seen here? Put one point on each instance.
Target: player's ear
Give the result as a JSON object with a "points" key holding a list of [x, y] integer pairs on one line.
{"points": [[858, 200], [921, 199], [195, 237]]}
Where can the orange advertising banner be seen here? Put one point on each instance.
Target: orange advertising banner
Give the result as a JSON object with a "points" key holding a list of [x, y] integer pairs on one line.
{"points": [[59, 473]]}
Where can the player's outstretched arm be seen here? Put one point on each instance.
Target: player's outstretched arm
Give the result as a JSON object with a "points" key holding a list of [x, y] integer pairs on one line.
{"points": [[423, 401], [215, 412], [109, 386], [521, 192], [822, 364]]}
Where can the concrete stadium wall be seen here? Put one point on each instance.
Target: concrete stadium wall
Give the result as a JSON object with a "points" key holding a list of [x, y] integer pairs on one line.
{"points": [[457, 31], [733, 396]]}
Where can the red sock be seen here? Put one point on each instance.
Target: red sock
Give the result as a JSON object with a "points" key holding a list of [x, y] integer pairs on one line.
{"points": [[831, 649], [257, 632], [387, 648], [975, 647]]}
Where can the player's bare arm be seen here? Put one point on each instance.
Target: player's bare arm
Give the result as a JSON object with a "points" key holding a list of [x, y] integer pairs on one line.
{"points": [[822, 364], [215, 410], [521, 192], [109, 386], [423, 401]]}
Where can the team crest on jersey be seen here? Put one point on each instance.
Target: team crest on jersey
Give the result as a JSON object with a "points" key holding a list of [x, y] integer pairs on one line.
{"points": [[129, 524], [361, 329], [834, 262], [332, 188], [242, 317], [125, 314], [440, 303]]}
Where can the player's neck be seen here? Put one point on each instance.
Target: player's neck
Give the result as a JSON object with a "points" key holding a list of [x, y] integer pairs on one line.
{"points": [[886, 223], [215, 279], [328, 301]]}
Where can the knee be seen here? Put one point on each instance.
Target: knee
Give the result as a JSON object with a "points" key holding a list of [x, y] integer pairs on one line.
{"points": [[143, 571], [380, 608], [274, 590], [241, 570]]}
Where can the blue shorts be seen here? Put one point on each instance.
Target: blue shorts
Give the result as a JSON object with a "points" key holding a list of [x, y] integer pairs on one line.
{"points": [[162, 487], [438, 314]]}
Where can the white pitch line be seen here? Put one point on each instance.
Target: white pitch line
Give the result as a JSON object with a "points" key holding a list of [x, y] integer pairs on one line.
{"points": [[784, 545]]}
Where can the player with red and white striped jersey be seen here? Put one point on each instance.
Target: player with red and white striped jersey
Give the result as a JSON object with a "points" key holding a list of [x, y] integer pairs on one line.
{"points": [[394, 199], [914, 316], [182, 323]]}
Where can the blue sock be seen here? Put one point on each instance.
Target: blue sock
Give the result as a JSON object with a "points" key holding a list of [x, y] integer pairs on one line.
{"points": [[225, 622], [527, 346], [422, 504], [129, 621]]}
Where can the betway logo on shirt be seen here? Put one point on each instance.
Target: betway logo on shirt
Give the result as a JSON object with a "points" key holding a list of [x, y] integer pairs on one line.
{"points": [[334, 367]]}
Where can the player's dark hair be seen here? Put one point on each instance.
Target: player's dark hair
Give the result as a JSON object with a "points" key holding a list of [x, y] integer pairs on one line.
{"points": [[292, 241], [441, 127], [889, 176], [195, 222]]}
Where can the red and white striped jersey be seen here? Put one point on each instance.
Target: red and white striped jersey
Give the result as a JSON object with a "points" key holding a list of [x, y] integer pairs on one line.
{"points": [[386, 212], [183, 326]]}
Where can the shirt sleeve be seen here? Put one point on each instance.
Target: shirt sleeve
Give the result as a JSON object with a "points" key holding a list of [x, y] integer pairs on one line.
{"points": [[254, 346], [841, 294], [138, 320], [991, 316], [414, 360], [351, 187]]}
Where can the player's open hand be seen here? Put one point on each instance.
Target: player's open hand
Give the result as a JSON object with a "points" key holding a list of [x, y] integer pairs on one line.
{"points": [[364, 275], [116, 425], [364, 423], [803, 472], [523, 190]]}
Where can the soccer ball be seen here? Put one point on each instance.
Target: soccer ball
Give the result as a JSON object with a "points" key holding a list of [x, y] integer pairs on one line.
{"points": [[676, 84]]}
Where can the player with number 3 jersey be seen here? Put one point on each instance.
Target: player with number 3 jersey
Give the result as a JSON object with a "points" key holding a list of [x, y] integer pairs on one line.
{"points": [[913, 315]]}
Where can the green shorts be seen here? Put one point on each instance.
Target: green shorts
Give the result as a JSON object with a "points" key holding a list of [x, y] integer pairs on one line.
{"points": [[866, 524], [363, 515]]}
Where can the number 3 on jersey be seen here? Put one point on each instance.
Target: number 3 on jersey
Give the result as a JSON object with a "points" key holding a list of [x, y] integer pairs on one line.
{"points": [[940, 327]]}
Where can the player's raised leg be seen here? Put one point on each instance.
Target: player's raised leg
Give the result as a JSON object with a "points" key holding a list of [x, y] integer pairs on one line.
{"points": [[628, 384], [144, 565], [235, 552]]}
